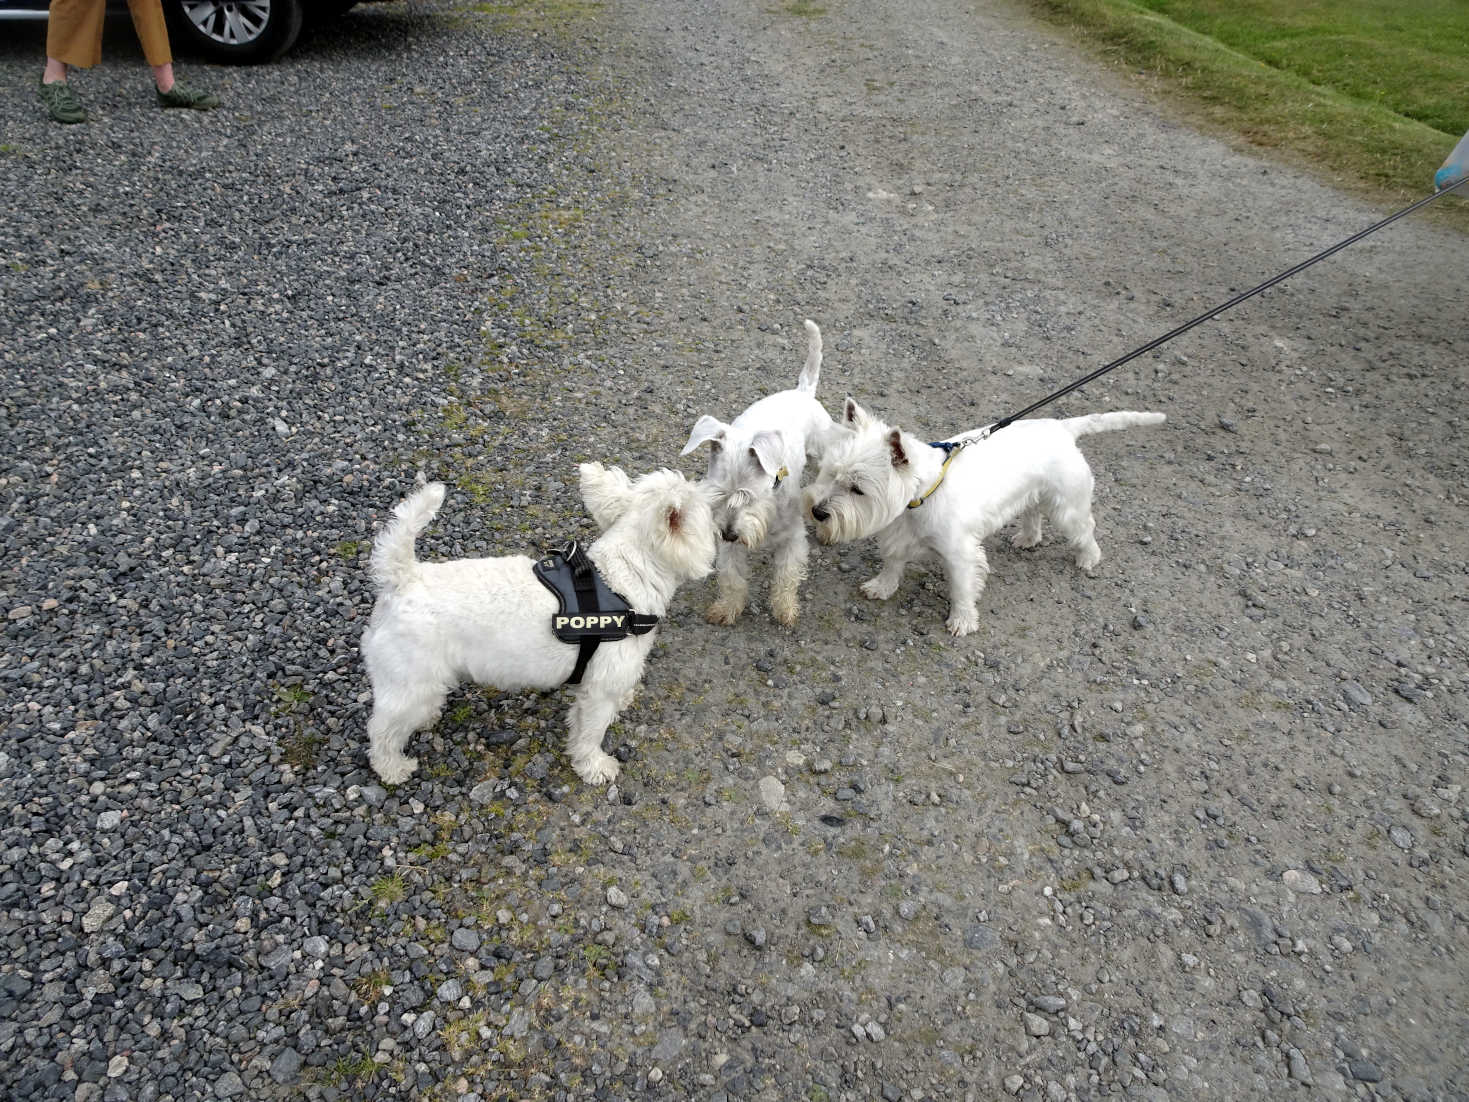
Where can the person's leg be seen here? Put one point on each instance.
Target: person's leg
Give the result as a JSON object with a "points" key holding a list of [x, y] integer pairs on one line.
{"points": [[73, 36], [153, 34]]}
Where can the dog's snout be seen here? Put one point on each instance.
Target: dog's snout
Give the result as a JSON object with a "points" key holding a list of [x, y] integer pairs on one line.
{"points": [[730, 535], [818, 512]]}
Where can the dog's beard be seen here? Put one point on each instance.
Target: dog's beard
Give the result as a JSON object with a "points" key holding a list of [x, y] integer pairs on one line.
{"points": [[746, 517], [847, 518]]}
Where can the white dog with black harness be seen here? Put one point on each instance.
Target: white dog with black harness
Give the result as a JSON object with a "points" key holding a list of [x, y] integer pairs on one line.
{"points": [[518, 623]]}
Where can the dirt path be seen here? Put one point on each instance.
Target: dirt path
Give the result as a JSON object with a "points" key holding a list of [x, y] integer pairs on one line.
{"points": [[1189, 828]]}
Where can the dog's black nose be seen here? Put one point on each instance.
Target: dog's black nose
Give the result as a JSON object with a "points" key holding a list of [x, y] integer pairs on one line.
{"points": [[729, 535], [819, 513]]}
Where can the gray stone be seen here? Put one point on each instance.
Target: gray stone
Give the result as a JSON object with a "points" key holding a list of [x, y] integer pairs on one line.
{"points": [[230, 1085], [286, 1066], [1035, 1025], [465, 938], [1300, 1071]]}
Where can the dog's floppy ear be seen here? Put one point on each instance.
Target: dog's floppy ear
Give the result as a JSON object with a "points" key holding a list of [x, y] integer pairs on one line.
{"points": [[853, 415], [706, 428], [767, 448], [896, 446], [606, 492]]}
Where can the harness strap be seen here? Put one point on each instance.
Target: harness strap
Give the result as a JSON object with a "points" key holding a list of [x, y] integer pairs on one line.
{"points": [[590, 611], [951, 450], [584, 579]]}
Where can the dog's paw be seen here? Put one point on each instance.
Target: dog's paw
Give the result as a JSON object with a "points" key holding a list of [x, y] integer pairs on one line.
{"points": [[962, 623], [598, 770], [879, 588], [1024, 541], [723, 612], [394, 770], [1089, 559], [785, 608]]}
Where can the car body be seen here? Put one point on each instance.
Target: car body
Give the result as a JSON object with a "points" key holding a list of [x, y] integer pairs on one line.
{"points": [[240, 32]]}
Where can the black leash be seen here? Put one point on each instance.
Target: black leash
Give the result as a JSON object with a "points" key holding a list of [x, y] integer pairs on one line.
{"points": [[1186, 326]]}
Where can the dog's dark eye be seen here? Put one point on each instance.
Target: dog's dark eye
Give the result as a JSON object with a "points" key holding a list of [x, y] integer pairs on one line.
{"points": [[857, 490]]}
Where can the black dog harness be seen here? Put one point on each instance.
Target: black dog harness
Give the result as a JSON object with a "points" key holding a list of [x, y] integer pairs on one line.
{"points": [[590, 612]]}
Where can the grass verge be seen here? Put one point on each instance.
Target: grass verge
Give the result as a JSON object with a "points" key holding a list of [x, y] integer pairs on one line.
{"points": [[1368, 95]]}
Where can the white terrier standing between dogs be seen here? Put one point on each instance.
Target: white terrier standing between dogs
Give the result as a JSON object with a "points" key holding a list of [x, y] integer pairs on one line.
{"points": [[924, 500], [436, 625], [755, 467]]}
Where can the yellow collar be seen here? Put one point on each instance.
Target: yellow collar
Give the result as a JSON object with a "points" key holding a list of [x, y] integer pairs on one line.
{"points": [[780, 476], [953, 450]]}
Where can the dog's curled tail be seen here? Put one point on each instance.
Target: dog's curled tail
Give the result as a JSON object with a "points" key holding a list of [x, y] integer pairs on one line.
{"points": [[1111, 422], [393, 561], [811, 370]]}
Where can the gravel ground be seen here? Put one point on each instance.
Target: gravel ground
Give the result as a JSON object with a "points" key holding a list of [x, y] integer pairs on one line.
{"points": [[1193, 828]]}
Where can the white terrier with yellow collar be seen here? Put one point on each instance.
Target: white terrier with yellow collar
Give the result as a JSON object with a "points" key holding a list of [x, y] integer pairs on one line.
{"points": [[755, 467], [492, 621], [923, 500]]}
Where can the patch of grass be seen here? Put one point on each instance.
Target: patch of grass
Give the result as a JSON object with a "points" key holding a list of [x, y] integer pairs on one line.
{"points": [[348, 550], [1369, 94], [389, 889], [802, 8], [350, 1070]]}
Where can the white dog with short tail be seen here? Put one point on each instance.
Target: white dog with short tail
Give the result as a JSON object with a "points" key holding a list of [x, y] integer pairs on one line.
{"points": [[943, 500], [755, 468], [437, 625]]}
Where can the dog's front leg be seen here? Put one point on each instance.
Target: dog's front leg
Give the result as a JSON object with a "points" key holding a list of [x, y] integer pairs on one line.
{"points": [[966, 570], [733, 564], [886, 583], [790, 571], [591, 714]]}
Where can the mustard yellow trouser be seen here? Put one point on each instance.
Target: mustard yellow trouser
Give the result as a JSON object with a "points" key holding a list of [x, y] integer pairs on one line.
{"points": [[74, 35]]}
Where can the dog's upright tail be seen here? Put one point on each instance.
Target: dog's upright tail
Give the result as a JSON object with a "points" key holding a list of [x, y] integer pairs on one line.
{"points": [[811, 370], [393, 562], [1110, 422]]}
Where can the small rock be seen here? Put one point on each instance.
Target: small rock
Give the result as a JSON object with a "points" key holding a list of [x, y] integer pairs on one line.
{"points": [[1401, 837], [315, 946], [109, 820], [1049, 1004], [772, 794], [465, 939], [1300, 1071], [616, 897], [230, 1085], [450, 991], [1013, 1083], [1298, 881], [1035, 1025], [97, 915], [1179, 883], [1364, 1071], [286, 1067], [756, 936], [875, 1032], [1355, 695], [482, 793]]}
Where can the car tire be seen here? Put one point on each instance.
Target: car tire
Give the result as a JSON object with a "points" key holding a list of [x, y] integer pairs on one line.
{"points": [[238, 32]]}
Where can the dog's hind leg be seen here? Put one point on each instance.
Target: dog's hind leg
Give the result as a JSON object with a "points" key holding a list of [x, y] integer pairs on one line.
{"points": [[1030, 527], [1073, 519], [733, 564], [395, 716], [591, 714]]}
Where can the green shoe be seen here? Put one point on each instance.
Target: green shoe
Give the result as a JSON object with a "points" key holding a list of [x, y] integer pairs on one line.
{"points": [[62, 102], [181, 95]]}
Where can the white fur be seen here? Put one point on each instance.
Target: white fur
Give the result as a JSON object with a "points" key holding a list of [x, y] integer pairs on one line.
{"points": [[1028, 470], [779, 431], [436, 625]]}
